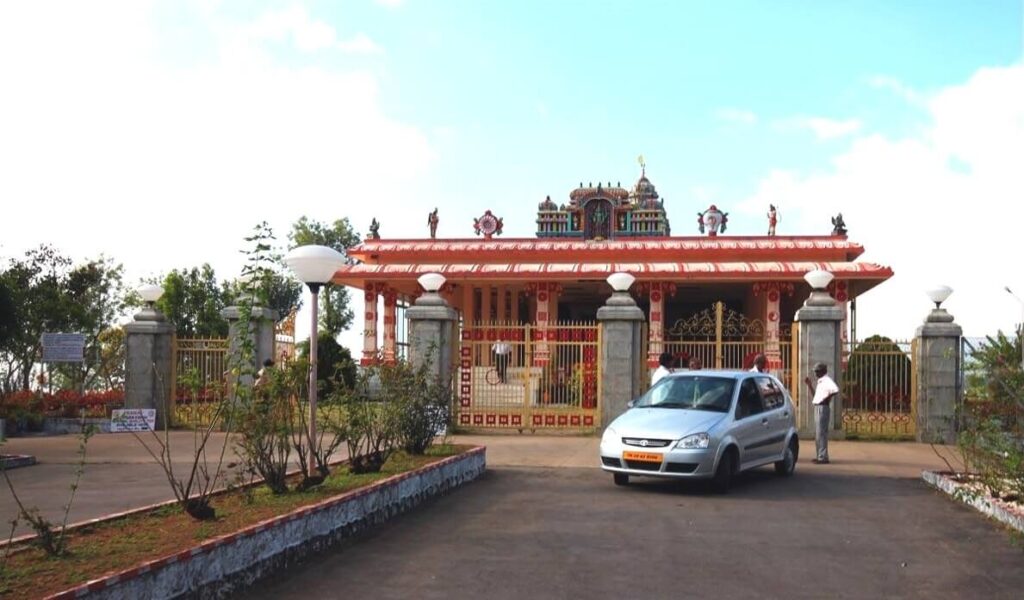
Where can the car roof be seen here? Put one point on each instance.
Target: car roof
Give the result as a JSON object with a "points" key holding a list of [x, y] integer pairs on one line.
{"points": [[733, 373]]}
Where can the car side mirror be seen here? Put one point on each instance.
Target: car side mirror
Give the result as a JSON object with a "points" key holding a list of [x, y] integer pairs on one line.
{"points": [[630, 403]]}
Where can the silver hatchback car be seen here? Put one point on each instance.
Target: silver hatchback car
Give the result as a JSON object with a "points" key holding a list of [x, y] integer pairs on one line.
{"points": [[704, 424]]}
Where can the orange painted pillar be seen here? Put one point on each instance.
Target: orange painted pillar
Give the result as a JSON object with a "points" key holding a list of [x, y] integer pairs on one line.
{"points": [[656, 328], [390, 302], [369, 325], [542, 316]]}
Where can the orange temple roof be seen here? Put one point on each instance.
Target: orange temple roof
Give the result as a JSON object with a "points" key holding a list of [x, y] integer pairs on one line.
{"points": [[691, 259]]}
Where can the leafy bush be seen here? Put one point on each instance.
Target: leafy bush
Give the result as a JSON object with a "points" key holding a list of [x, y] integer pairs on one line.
{"points": [[426, 411], [334, 364], [992, 424], [372, 426]]}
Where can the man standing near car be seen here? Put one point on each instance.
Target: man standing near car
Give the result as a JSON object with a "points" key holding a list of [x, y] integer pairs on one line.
{"points": [[824, 391], [760, 364]]}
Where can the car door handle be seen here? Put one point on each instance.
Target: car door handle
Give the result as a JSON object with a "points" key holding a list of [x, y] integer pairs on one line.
{"points": [[764, 421]]}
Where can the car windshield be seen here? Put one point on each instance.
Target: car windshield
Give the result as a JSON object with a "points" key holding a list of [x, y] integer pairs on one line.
{"points": [[694, 392]]}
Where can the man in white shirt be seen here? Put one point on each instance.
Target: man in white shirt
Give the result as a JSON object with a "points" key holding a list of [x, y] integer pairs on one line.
{"points": [[502, 350], [760, 364], [664, 367], [824, 391]]}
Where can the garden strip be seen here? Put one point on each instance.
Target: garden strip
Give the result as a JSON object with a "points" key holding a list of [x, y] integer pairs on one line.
{"points": [[163, 553], [1008, 513]]}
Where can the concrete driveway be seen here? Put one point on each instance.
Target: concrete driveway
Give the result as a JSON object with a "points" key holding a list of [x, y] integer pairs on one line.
{"points": [[829, 532]]}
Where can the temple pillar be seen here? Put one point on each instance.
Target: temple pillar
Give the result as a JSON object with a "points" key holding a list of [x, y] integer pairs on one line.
{"points": [[839, 290], [502, 316], [467, 305], [542, 316], [390, 303], [656, 328], [369, 325], [514, 299], [485, 304]]}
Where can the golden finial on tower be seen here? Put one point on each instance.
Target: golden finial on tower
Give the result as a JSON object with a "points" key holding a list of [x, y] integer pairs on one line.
{"points": [[643, 165]]}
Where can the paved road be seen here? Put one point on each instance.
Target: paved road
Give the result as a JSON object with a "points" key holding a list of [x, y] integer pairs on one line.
{"points": [[517, 533]]}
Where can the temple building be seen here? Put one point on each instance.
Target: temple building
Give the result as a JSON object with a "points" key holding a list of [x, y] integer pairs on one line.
{"points": [[527, 306]]}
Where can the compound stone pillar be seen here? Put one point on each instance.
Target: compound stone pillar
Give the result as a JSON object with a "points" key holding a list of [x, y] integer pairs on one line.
{"points": [[149, 354], [260, 329], [431, 335], [622, 354], [938, 367], [820, 321]]}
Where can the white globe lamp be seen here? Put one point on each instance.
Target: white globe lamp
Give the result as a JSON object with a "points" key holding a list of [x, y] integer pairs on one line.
{"points": [[620, 282], [313, 265], [939, 294]]}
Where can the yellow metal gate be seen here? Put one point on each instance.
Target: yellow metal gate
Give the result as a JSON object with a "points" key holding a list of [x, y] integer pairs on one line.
{"points": [[528, 377], [879, 389], [720, 338], [198, 376]]}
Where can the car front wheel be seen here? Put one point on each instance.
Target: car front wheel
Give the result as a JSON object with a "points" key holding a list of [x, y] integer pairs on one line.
{"points": [[724, 473]]}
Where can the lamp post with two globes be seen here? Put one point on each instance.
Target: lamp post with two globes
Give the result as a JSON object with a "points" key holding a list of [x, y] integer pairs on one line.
{"points": [[314, 266]]}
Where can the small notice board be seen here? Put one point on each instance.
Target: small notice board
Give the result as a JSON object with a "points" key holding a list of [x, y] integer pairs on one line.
{"points": [[63, 347], [123, 420]]}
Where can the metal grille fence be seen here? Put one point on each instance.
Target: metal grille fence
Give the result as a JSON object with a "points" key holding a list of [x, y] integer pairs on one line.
{"points": [[515, 376], [197, 380], [879, 389]]}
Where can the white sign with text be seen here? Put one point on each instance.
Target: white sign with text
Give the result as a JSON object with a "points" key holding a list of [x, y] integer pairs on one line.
{"points": [[124, 420]]}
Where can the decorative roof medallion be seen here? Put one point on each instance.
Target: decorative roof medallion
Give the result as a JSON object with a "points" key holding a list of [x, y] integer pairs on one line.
{"points": [[713, 220], [489, 225]]}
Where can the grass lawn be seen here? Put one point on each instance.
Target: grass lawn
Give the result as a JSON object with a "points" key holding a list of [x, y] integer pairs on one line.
{"points": [[123, 543]]}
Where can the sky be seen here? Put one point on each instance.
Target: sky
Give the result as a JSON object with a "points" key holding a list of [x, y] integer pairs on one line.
{"points": [[159, 133]]}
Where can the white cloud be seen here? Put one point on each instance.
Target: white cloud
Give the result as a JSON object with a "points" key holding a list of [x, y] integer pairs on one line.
{"points": [[108, 148], [823, 128], [897, 87], [736, 115], [910, 206], [360, 43]]}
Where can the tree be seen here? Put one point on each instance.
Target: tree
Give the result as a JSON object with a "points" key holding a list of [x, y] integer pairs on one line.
{"points": [[8, 323], [47, 294], [96, 297], [335, 314], [334, 363], [192, 301], [877, 374]]}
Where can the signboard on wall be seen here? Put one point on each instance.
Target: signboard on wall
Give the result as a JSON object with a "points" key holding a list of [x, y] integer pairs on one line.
{"points": [[63, 347], [124, 420]]}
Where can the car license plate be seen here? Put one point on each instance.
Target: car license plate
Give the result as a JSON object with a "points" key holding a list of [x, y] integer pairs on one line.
{"points": [[641, 456]]}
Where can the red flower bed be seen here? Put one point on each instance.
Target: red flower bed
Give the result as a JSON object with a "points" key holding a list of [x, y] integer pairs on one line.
{"points": [[63, 403]]}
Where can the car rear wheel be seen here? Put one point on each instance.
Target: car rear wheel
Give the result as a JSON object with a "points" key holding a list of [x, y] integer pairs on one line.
{"points": [[620, 478], [787, 465], [724, 473]]}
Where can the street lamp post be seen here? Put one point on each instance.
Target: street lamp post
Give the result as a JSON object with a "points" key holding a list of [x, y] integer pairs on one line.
{"points": [[314, 266], [1020, 328]]}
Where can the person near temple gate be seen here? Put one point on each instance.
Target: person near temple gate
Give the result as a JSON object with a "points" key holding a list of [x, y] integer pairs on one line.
{"points": [[664, 367], [760, 364], [502, 350], [824, 391]]}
